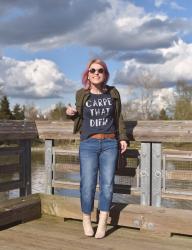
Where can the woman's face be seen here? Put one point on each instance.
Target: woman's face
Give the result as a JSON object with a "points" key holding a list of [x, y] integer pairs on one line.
{"points": [[96, 74]]}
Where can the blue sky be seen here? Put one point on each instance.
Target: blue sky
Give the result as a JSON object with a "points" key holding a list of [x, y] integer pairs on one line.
{"points": [[46, 44]]}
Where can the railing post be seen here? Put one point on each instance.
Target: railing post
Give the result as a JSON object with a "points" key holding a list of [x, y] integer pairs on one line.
{"points": [[150, 174], [48, 165], [156, 175], [145, 173], [164, 173], [25, 171]]}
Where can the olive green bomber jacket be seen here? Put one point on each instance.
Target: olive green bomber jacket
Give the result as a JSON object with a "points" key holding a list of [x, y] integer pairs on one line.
{"points": [[82, 96]]}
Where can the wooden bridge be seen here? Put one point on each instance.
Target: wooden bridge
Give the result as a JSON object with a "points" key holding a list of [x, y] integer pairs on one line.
{"points": [[45, 221]]}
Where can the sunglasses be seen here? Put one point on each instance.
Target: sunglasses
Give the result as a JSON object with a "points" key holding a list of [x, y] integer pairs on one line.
{"points": [[100, 71]]}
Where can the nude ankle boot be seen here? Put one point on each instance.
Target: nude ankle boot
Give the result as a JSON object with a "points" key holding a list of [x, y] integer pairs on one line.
{"points": [[102, 226], [88, 230]]}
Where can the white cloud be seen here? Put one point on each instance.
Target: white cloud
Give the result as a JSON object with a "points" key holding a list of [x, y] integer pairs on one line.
{"points": [[173, 5], [163, 97], [176, 66], [178, 63], [158, 3], [127, 27], [33, 79], [116, 25], [125, 92], [159, 99], [176, 6]]}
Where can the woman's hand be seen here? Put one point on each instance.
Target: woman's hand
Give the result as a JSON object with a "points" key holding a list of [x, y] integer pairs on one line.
{"points": [[123, 145], [71, 111]]}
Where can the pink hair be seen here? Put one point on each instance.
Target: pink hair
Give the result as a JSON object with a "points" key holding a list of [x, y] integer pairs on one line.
{"points": [[85, 79]]}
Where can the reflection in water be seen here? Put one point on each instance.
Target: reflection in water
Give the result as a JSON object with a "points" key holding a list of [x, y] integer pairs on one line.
{"points": [[38, 176]]}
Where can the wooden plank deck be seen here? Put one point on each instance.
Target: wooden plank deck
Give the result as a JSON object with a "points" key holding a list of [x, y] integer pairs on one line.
{"points": [[51, 232], [42, 221]]}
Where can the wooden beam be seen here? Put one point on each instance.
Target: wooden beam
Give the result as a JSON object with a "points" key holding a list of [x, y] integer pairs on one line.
{"points": [[48, 165], [64, 167], [15, 130], [118, 188], [55, 130], [177, 196], [63, 206], [65, 152], [169, 152], [178, 158], [159, 220], [68, 185], [184, 175], [145, 173], [160, 131], [155, 220], [9, 168], [156, 175], [145, 131], [9, 185], [25, 162], [20, 210], [22, 173], [142, 131], [11, 151]]}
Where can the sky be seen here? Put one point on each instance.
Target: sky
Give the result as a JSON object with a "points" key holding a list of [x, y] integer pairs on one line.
{"points": [[45, 46]]}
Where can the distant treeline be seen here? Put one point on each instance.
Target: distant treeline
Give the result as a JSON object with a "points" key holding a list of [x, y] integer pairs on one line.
{"points": [[177, 107], [144, 107], [30, 112], [5, 113]]}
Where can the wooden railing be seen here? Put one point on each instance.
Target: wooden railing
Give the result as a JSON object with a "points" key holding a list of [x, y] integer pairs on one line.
{"points": [[150, 134], [18, 136]]}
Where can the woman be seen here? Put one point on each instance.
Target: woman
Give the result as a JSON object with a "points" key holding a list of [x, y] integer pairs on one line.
{"points": [[98, 118]]}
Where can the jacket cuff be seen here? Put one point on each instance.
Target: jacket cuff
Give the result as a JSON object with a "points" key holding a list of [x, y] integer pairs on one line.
{"points": [[72, 117], [123, 138]]}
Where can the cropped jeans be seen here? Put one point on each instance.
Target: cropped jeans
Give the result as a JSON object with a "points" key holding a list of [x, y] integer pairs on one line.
{"points": [[97, 157]]}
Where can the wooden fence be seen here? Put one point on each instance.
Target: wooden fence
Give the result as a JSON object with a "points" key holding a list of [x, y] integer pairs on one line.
{"points": [[151, 135], [16, 137]]}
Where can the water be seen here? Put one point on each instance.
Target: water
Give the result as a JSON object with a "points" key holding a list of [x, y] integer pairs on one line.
{"points": [[38, 176]]}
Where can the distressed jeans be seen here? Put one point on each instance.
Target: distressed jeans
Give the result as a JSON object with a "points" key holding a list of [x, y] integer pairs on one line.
{"points": [[97, 157]]}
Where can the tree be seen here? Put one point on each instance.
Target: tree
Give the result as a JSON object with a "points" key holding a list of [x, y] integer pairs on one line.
{"points": [[30, 112], [144, 92], [183, 109], [130, 111], [184, 90], [18, 112], [183, 101], [58, 113], [163, 115], [1, 87], [5, 112]]}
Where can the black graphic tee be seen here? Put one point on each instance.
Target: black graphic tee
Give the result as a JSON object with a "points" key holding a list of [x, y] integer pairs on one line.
{"points": [[98, 115]]}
